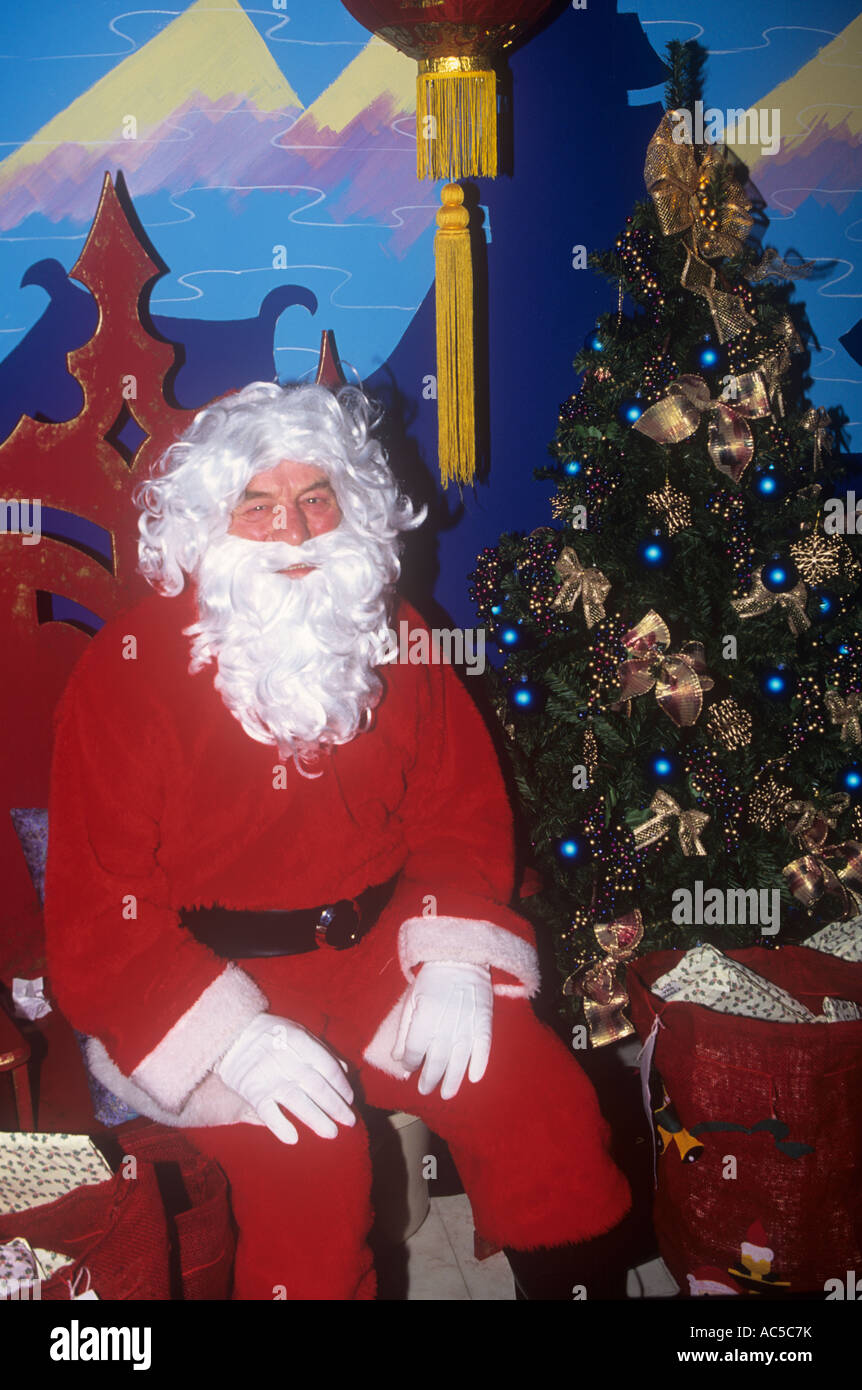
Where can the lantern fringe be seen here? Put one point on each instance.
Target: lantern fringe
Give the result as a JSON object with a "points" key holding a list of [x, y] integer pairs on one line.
{"points": [[455, 352], [456, 125]]}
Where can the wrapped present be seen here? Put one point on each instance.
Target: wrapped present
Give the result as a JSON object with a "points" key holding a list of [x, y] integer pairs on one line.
{"points": [[842, 939], [38, 1168], [706, 976]]}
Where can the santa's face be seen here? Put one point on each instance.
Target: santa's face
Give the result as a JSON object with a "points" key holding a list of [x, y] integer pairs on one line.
{"points": [[295, 626], [291, 502]]}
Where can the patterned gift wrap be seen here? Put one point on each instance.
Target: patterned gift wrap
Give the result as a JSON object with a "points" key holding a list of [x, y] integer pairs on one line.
{"points": [[706, 976], [842, 939], [39, 1168]]}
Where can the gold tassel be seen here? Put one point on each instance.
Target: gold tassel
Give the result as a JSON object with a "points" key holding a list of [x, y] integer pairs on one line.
{"points": [[455, 367], [456, 119]]}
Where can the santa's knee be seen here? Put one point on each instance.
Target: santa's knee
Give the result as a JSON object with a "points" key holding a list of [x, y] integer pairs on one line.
{"points": [[529, 1139], [302, 1212]]}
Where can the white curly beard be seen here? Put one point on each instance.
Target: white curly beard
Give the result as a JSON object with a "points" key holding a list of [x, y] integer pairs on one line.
{"points": [[296, 656]]}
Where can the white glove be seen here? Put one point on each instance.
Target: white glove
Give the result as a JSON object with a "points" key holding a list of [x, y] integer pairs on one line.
{"points": [[275, 1062], [447, 1020]]}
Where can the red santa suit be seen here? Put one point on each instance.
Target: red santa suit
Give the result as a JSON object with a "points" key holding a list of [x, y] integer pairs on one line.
{"points": [[160, 801]]}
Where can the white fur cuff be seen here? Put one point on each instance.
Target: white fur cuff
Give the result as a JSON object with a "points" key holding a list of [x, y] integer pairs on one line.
{"points": [[462, 939], [210, 1103], [199, 1039]]}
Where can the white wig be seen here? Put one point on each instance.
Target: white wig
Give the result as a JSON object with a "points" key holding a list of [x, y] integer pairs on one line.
{"points": [[295, 658], [198, 481]]}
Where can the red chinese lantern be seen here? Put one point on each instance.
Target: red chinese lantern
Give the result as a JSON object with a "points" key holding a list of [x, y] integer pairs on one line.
{"points": [[455, 43]]}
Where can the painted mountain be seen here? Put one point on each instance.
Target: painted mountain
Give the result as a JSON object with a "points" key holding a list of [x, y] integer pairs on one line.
{"points": [[204, 105], [820, 153], [812, 189]]}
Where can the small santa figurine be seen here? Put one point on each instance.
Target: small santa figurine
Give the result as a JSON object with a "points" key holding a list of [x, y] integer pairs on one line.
{"points": [[755, 1265], [281, 867]]}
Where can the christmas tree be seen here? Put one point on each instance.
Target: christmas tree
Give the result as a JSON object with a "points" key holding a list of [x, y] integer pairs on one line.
{"points": [[681, 674]]}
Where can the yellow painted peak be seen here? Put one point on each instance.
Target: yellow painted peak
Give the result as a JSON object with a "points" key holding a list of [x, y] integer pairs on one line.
{"points": [[204, 55], [824, 90], [378, 67]]}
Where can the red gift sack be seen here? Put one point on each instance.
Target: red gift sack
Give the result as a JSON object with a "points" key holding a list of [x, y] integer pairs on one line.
{"points": [[203, 1230], [760, 1171], [114, 1232], [159, 1231]]}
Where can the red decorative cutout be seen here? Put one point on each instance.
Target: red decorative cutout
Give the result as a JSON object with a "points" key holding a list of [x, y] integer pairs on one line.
{"points": [[73, 466]]}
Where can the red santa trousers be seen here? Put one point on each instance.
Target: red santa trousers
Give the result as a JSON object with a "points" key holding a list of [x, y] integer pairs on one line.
{"points": [[529, 1142]]}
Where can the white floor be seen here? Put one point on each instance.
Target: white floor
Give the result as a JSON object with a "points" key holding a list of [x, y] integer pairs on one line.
{"points": [[441, 1265]]}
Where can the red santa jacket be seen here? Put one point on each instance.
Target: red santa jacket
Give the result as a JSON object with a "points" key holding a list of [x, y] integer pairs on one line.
{"points": [[160, 801]]}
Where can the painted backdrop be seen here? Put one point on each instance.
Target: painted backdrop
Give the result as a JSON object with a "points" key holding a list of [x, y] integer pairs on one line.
{"points": [[269, 153]]}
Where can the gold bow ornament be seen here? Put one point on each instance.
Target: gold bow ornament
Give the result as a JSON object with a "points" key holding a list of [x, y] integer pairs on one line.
{"points": [[811, 876], [590, 585], [679, 187], [818, 423], [600, 984], [847, 713], [679, 678], [759, 600], [663, 811], [730, 441]]}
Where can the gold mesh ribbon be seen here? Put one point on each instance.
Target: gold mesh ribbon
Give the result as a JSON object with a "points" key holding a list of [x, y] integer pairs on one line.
{"points": [[676, 182], [601, 985], [679, 678], [590, 585], [456, 425], [811, 876], [847, 713], [730, 441], [776, 363], [810, 822], [729, 315], [771, 263], [664, 811], [817, 422], [675, 178], [759, 600]]}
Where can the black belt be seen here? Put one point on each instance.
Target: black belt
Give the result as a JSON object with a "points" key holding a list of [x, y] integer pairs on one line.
{"points": [[235, 933]]}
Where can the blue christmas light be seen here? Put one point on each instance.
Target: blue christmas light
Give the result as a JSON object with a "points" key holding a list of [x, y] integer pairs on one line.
{"points": [[778, 682], [766, 484], [826, 604], [573, 466], [594, 343], [852, 779], [496, 609], [662, 766], [510, 636], [708, 357], [523, 697], [777, 576], [631, 411], [570, 849], [652, 553], [844, 651]]}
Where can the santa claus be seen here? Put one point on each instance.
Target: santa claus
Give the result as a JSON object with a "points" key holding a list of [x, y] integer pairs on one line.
{"points": [[280, 869]]}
